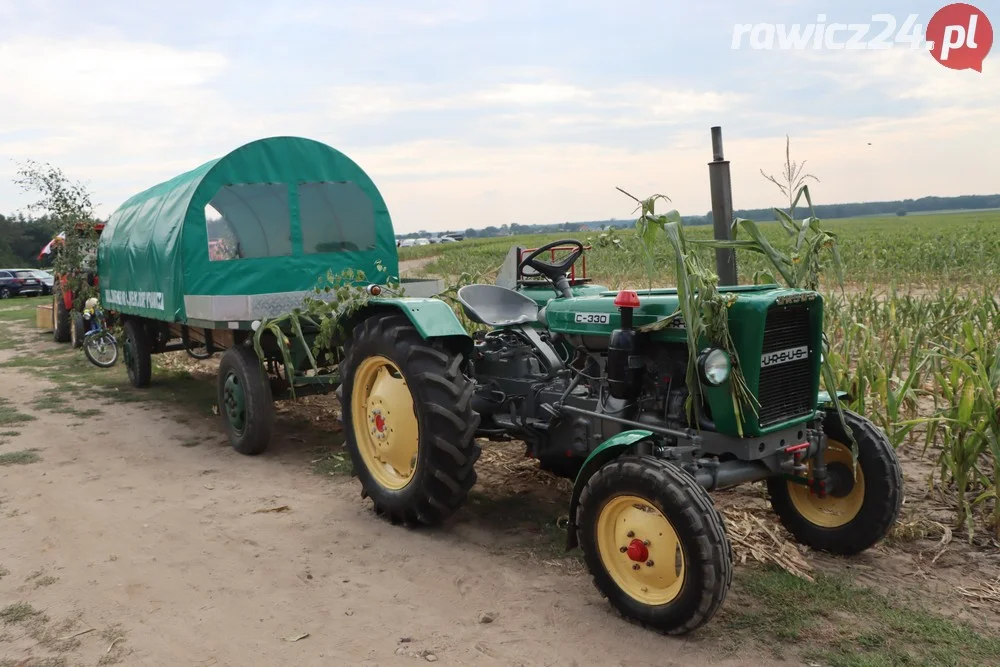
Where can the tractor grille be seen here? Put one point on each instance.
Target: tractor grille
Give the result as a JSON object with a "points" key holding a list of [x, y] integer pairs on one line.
{"points": [[786, 377]]}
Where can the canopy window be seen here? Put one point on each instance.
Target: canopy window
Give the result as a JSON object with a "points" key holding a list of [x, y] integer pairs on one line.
{"points": [[249, 220], [335, 217]]}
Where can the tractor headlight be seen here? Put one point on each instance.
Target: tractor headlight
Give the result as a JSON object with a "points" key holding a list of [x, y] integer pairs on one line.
{"points": [[715, 366]]}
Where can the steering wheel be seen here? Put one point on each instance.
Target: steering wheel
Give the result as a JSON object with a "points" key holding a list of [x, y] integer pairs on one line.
{"points": [[554, 272]]}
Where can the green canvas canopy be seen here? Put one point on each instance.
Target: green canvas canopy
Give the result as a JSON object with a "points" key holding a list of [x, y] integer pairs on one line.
{"points": [[244, 236]]}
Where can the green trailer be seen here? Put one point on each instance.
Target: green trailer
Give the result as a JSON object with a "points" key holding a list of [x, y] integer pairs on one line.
{"points": [[196, 262]]}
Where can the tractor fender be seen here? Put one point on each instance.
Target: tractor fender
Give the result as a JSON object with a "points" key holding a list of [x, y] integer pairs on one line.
{"points": [[433, 318], [607, 451]]}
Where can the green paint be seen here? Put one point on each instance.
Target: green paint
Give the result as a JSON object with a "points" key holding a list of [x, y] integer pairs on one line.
{"points": [[154, 249], [544, 294], [607, 451], [433, 318], [747, 318]]}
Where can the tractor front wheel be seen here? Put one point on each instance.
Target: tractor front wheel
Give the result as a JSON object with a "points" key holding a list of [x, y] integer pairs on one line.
{"points": [[60, 316], [408, 421], [654, 544], [858, 512]]}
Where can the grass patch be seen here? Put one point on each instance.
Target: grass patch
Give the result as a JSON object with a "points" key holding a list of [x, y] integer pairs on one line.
{"points": [[20, 458], [3, 572], [117, 651], [9, 434], [10, 416], [52, 661], [47, 580], [335, 463], [75, 377], [56, 400], [19, 612], [844, 625], [533, 522], [19, 312]]}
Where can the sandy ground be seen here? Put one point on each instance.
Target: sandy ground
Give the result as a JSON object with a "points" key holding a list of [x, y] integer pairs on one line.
{"points": [[146, 528]]}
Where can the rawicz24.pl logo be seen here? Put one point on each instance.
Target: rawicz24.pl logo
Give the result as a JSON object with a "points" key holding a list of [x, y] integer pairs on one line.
{"points": [[958, 36]]}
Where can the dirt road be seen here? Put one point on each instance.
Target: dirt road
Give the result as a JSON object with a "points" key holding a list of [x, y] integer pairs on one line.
{"points": [[141, 525]]}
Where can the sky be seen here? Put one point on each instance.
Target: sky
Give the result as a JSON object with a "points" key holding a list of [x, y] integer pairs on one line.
{"points": [[473, 113]]}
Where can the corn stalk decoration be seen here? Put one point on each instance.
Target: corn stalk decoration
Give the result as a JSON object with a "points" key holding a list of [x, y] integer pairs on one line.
{"points": [[338, 297], [704, 311], [801, 268]]}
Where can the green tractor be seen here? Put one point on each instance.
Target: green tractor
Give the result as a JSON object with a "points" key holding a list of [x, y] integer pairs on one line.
{"points": [[565, 367]]}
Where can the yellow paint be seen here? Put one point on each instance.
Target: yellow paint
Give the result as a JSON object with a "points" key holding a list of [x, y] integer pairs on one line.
{"points": [[656, 584], [385, 425], [829, 512]]}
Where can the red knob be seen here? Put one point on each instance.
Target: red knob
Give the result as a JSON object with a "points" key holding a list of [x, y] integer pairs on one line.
{"points": [[627, 299]]}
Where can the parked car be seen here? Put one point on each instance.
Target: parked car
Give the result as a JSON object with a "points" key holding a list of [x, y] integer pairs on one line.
{"points": [[407, 243], [423, 242], [19, 282], [45, 277]]}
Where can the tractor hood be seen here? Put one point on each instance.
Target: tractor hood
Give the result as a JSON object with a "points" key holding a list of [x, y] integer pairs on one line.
{"points": [[777, 333], [598, 315]]}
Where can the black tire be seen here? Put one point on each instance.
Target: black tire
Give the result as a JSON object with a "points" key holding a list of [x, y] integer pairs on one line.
{"points": [[882, 492], [200, 356], [77, 330], [4, 292], [138, 358], [60, 318], [111, 342], [249, 427], [447, 451], [700, 532]]}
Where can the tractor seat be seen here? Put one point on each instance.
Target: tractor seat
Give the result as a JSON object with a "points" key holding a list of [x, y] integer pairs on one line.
{"points": [[497, 306]]}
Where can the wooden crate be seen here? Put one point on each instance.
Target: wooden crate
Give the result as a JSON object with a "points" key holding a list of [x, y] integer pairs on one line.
{"points": [[43, 317]]}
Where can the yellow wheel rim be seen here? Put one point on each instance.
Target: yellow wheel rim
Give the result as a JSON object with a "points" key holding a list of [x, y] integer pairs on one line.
{"points": [[640, 550], [831, 511], [385, 425]]}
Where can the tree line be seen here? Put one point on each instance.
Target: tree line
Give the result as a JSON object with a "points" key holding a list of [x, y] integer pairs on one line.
{"points": [[22, 237], [899, 207]]}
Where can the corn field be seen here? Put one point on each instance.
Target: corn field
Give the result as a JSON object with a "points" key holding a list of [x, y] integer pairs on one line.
{"points": [[914, 337]]}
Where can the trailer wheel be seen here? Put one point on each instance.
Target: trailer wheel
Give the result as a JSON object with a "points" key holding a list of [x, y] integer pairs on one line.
{"points": [[77, 330], [245, 400], [655, 544], [136, 354], [408, 421], [60, 317], [858, 512]]}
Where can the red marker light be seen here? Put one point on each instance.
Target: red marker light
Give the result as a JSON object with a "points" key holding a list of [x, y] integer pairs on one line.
{"points": [[627, 299], [374, 290]]}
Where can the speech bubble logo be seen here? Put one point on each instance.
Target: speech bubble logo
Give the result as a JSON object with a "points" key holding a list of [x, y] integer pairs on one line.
{"points": [[961, 36]]}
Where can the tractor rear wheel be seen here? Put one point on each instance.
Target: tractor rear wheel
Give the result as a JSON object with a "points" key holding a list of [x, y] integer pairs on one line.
{"points": [[857, 513], [408, 421], [654, 543], [60, 316]]}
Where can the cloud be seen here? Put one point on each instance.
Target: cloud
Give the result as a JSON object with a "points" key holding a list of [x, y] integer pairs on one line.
{"points": [[486, 113]]}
